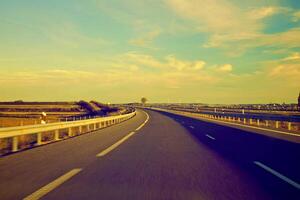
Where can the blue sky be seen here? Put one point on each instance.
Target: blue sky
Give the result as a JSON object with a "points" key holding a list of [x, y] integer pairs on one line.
{"points": [[211, 51]]}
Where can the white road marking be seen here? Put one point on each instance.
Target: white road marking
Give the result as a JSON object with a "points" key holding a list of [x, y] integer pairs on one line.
{"points": [[182, 122], [51, 186], [282, 177], [143, 124], [191, 127], [211, 137], [115, 145], [118, 143], [138, 128]]}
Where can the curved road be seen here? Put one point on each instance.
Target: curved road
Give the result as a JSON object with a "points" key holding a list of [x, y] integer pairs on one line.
{"points": [[165, 157]]}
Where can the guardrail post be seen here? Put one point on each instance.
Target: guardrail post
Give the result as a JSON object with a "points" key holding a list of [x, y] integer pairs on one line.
{"points": [[267, 123], [239, 119], [277, 124], [39, 138], [289, 126], [244, 120], [257, 122], [80, 129], [56, 134], [95, 126], [70, 133], [88, 128], [15, 144], [250, 121]]}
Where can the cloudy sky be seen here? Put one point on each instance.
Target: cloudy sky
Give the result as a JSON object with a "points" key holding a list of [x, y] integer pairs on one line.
{"points": [[210, 51]]}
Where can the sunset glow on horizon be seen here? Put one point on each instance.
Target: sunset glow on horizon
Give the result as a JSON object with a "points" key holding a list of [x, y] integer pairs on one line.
{"points": [[207, 51]]}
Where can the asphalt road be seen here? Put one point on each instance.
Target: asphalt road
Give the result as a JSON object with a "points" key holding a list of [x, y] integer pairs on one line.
{"points": [[169, 157]]}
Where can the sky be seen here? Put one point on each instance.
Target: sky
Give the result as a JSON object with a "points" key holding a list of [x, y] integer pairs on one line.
{"points": [[117, 51]]}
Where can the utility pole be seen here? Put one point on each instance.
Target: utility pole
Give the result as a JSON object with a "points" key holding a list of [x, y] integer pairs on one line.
{"points": [[299, 102]]}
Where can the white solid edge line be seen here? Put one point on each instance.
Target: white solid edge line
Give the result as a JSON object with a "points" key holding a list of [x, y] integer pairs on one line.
{"points": [[118, 143], [51, 186], [242, 125], [211, 137], [141, 126], [282, 177], [192, 127]]}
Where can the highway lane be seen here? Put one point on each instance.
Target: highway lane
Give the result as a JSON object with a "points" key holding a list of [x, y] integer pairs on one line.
{"points": [[253, 152], [174, 157], [170, 157], [24, 172]]}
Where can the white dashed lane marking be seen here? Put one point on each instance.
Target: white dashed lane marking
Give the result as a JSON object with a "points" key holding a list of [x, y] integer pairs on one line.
{"points": [[275, 173], [211, 137]]}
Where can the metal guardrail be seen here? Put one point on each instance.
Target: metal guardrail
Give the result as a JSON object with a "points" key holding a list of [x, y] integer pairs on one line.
{"points": [[14, 133], [293, 127]]}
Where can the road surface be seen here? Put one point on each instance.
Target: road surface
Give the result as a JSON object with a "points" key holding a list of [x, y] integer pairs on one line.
{"points": [[164, 157]]}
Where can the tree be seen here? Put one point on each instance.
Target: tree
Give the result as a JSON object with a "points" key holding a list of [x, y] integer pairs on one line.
{"points": [[144, 100]]}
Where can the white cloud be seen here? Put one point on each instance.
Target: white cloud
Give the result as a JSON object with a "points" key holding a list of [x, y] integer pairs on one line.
{"points": [[263, 12], [236, 44], [296, 16], [287, 71], [183, 65], [169, 62], [293, 56], [224, 68], [234, 27], [146, 39], [142, 59], [216, 16], [199, 65]]}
